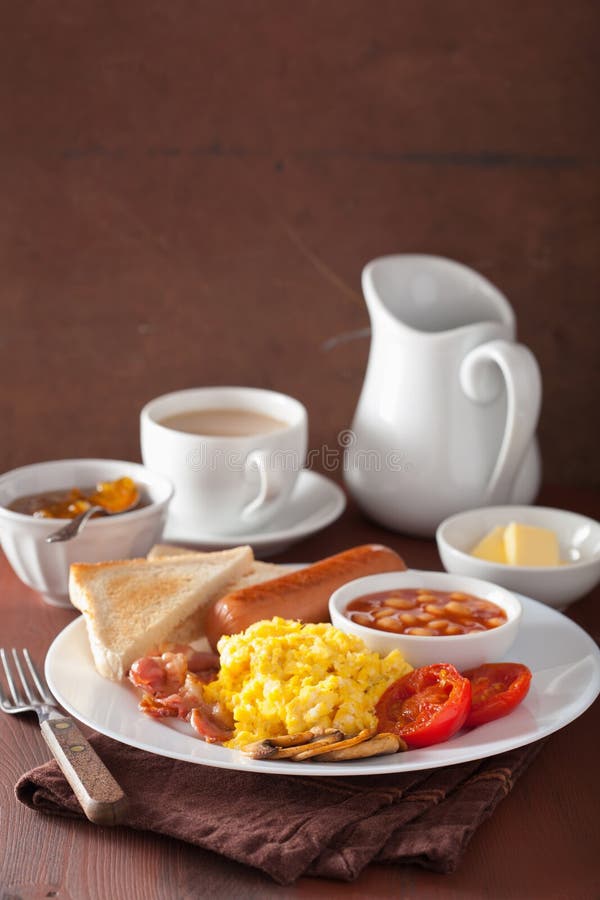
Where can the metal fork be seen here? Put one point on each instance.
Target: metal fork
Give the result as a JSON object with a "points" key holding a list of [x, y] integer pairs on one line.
{"points": [[101, 798]]}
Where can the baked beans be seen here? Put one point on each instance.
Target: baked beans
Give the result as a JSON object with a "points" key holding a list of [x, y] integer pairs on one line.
{"points": [[425, 612]]}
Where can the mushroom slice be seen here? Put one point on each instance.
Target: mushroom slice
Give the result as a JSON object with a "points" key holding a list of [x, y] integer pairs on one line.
{"points": [[287, 745], [260, 750], [378, 745], [318, 747], [266, 748], [292, 740]]}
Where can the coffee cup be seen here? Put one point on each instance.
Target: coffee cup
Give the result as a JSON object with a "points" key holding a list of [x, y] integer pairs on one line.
{"points": [[233, 454]]}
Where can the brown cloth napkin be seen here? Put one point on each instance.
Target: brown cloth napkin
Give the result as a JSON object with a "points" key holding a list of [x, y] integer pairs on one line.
{"points": [[290, 826]]}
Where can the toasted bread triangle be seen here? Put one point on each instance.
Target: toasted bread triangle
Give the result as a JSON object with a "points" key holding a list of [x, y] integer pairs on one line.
{"points": [[130, 606]]}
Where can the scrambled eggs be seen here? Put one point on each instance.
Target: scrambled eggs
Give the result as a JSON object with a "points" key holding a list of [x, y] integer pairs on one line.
{"points": [[281, 677]]}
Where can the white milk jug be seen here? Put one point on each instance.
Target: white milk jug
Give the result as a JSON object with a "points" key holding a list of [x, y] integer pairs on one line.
{"points": [[447, 415]]}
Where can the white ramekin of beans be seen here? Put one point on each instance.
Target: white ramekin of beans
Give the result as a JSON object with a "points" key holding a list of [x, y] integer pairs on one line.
{"points": [[431, 617]]}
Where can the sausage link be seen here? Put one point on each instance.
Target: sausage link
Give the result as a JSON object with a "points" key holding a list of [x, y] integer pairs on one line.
{"points": [[302, 595]]}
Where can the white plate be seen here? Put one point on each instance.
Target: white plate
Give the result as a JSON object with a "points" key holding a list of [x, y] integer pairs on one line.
{"points": [[564, 660], [316, 502]]}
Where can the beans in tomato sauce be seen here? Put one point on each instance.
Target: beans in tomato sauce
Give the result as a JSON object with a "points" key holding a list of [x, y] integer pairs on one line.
{"points": [[425, 612]]}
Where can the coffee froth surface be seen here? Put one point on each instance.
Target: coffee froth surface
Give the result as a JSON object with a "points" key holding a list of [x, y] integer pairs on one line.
{"points": [[223, 422]]}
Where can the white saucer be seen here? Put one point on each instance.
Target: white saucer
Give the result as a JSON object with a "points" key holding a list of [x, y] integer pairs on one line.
{"points": [[316, 502]]}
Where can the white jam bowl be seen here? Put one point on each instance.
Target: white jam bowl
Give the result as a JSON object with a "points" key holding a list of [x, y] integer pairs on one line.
{"points": [[463, 651], [45, 567], [556, 586]]}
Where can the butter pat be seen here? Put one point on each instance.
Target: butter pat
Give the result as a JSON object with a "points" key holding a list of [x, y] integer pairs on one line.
{"points": [[527, 545], [491, 547], [519, 545]]}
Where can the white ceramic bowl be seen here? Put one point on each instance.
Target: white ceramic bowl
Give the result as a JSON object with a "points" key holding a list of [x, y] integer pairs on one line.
{"points": [[556, 586], [45, 567], [463, 650]]}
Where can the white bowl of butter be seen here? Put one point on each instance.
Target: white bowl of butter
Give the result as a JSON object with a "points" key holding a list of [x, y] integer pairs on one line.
{"points": [[549, 554]]}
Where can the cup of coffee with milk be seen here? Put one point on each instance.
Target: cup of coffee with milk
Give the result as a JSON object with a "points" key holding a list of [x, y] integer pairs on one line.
{"points": [[233, 454]]}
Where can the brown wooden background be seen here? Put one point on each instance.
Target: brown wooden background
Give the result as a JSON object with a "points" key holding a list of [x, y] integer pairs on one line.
{"points": [[189, 191]]}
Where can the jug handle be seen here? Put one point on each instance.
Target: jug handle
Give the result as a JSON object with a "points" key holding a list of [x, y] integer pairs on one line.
{"points": [[480, 382]]}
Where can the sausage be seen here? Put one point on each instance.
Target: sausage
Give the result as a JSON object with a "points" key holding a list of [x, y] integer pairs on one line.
{"points": [[302, 595]]}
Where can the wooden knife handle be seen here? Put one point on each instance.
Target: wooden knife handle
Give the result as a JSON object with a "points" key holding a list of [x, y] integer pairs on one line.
{"points": [[101, 798]]}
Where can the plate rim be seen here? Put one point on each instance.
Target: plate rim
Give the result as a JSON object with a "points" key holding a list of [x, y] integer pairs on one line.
{"points": [[375, 766]]}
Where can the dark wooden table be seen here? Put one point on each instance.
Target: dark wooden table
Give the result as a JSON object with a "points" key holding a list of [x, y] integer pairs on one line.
{"points": [[540, 842]]}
